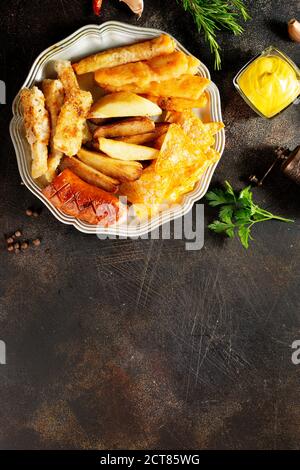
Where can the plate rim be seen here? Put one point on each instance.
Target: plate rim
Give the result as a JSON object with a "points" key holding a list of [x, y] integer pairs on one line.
{"points": [[18, 140]]}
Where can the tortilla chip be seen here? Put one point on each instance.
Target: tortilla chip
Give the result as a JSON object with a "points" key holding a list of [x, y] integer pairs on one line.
{"points": [[184, 156]]}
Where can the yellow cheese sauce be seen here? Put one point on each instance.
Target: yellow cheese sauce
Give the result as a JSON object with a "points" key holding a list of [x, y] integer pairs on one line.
{"points": [[270, 83]]}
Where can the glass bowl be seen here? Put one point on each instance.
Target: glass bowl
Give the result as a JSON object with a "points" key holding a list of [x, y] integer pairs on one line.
{"points": [[271, 52]]}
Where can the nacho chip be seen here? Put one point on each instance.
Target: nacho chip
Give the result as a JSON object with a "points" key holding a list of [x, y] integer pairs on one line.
{"points": [[185, 155], [199, 132], [147, 193]]}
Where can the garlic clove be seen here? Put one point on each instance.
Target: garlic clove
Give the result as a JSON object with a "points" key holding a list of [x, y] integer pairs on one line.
{"points": [[294, 30], [137, 6]]}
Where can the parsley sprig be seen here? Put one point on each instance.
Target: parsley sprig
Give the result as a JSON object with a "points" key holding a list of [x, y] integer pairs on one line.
{"points": [[212, 15], [237, 213]]}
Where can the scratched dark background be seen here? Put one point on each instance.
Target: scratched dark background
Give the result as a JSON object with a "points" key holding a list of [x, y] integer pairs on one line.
{"points": [[142, 344]]}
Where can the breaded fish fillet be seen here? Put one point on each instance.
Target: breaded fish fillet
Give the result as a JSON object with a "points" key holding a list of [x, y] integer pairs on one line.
{"points": [[159, 68], [37, 127], [187, 86]]}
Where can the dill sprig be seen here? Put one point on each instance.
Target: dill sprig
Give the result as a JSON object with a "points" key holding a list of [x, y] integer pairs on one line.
{"points": [[212, 15]]}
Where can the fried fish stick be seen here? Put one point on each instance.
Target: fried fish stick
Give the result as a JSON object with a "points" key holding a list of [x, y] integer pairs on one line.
{"points": [[177, 104], [126, 127], [188, 86], [69, 129], [54, 97], [122, 55], [154, 70], [71, 86], [86, 133], [37, 127], [67, 76]]}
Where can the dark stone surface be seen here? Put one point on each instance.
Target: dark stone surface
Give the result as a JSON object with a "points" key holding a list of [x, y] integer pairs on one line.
{"points": [[141, 344]]}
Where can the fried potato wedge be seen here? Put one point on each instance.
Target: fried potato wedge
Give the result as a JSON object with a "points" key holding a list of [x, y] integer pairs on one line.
{"points": [[125, 151], [122, 55], [97, 121], [173, 117], [178, 104], [188, 86], [119, 169], [123, 104], [126, 127], [157, 144], [89, 174], [159, 68], [37, 127], [137, 139], [160, 128]]}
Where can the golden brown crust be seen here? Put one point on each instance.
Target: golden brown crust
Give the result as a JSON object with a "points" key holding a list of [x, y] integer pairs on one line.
{"points": [[119, 169], [126, 127], [69, 130], [122, 55], [187, 86], [178, 104], [90, 174], [54, 98], [158, 68], [37, 127]]}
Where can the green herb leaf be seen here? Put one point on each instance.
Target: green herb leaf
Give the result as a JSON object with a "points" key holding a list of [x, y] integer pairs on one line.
{"points": [[226, 213], [220, 227], [237, 211], [219, 197], [244, 233], [242, 215], [229, 189], [246, 195], [230, 232]]}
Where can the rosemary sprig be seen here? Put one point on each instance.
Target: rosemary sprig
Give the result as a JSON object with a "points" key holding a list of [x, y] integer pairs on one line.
{"points": [[212, 15]]}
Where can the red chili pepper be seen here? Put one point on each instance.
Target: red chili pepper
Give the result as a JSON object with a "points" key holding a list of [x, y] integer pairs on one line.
{"points": [[97, 6]]}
